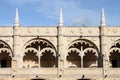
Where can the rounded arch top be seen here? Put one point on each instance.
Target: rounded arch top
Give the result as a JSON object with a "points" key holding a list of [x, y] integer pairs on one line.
{"points": [[39, 41], [115, 47], [116, 44], [83, 53], [5, 48], [82, 42], [43, 53]]}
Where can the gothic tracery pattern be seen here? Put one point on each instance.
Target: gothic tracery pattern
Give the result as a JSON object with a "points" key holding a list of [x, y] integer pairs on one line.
{"points": [[82, 53], [43, 54], [5, 54], [115, 54]]}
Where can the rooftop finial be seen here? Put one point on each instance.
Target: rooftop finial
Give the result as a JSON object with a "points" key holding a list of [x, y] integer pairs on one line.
{"points": [[60, 23], [102, 22], [16, 22]]}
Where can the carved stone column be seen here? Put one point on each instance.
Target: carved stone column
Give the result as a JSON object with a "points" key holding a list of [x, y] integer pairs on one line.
{"points": [[104, 52], [81, 61], [39, 54], [16, 47], [14, 68], [39, 57], [82, 56], [60, 43]]}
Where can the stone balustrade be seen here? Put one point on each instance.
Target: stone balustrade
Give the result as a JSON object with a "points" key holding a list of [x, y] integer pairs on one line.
{"points": [[54, 72], [114, 72], [83, 72], [5, 72]]}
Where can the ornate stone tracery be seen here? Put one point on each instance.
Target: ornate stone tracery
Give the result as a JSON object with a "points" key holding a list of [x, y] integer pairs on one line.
{"points": [[43, 50], [114, 55], [85, 51], [5, 54]]}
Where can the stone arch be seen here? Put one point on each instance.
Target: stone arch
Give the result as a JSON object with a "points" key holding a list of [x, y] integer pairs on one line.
{"points": [[86, 53], [43, 53], [5, 55], [114, 55], [74, 58]]}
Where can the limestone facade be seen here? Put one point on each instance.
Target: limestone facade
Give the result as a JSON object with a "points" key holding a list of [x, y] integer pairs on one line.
{"points": [[59, 52]]}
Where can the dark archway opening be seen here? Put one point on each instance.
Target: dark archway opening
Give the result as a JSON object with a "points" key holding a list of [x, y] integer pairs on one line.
{"points": [[5, 59], [48, 59], [90, 60], [30, 59], [89, 53], [115, 58], [45, 50], [74, 59]]}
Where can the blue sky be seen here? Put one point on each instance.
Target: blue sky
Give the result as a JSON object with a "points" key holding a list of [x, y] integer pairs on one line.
{"points": [[46, 12]]}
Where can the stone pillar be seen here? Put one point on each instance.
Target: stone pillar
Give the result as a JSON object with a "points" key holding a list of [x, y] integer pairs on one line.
{"points": [[39, 65], [14, 68], [104, 51], [81, 61], [16, 45], [39, 57], [39, 54], [82, 56], [60, 43]]}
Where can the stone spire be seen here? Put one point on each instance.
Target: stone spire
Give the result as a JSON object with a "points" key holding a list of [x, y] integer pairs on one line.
{"points": [[102, 22], [60, 23], [16, 22]]}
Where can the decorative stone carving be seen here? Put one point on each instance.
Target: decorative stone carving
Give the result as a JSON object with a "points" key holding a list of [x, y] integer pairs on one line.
{"points": [[28, 29], [41, 50], [38, 30], [89, 31], [108, 30], [80, 31], [72, 31], [82, 49], [115, 30], [47, 30]]}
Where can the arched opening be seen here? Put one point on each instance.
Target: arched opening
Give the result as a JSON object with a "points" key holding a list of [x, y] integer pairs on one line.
{"points": [[30, 59], [90, 59], [5, 55], [5, 59], [114, 56], [47, 59], [84, 53], [40, 53], [73, 59]]}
